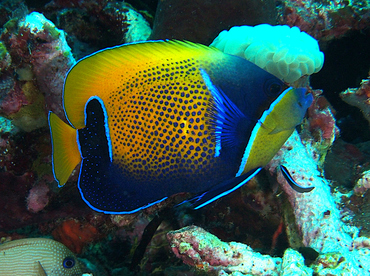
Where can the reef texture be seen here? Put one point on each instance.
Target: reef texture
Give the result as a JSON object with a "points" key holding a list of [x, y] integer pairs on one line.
{"points": [[205, 251], [325, 20], [316, 216], [39, 58], [359, 97], [93, 25], [36, 51]]}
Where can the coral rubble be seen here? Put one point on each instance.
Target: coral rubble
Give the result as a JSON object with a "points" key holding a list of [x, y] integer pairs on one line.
{"points": [[40, 58], [317, 218], [359, 97], [325, 20], [205, 251]]}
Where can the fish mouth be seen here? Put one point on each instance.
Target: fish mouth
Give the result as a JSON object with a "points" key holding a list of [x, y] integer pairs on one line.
{"points": [[305, 98]]}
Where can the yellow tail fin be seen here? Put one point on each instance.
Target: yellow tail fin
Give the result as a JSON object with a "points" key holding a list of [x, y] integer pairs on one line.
{"points": [[66, 154]]}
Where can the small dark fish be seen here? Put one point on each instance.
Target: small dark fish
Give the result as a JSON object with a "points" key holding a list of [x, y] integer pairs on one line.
{"points": [[296, 187]]}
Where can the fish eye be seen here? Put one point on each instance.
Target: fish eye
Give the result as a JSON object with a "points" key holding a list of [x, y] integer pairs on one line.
{"points": [[69, 262], [273, 87]]}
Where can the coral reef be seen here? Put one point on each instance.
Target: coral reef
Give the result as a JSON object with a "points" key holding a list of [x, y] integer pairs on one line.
{"points": [[359, 97], [93, 25], [206, 252], [316, 216], [282, 51], [269, 226], [323, 216], [325, 20], [40, 58], [363, 184], [38, 197]]}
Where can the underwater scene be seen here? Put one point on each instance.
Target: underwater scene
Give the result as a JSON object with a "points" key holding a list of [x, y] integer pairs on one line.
{"points": [[175, 137]]}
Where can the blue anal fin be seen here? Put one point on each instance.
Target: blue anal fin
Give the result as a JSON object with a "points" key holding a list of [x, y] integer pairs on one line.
{"points": [[221, 189]]}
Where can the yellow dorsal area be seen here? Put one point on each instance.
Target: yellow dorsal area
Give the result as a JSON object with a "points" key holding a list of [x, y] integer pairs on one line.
{"points": [[274, 131], [107, 72]]}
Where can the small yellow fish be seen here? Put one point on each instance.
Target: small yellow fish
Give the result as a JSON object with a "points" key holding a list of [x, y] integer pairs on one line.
{"points": [[37, 257]]}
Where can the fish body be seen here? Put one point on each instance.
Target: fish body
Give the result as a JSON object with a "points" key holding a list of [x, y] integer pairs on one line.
{"points": [[153, 119], [37, 257]]}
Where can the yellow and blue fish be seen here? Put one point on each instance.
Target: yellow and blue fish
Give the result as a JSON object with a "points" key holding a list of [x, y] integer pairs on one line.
{"points": [[153, 119]]}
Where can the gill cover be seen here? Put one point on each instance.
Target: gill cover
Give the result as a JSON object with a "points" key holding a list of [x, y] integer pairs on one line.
{"points": [[274, 128]]}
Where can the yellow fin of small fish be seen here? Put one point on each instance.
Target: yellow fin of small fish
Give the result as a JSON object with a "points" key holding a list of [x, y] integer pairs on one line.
{"points": [[103, 72], [66, 155]]}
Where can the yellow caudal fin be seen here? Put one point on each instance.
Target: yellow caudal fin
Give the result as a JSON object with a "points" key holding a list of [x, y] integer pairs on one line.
{"points": [[66, 154]]}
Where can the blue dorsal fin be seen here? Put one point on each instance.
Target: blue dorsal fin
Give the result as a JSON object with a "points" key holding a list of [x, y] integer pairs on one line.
{"points": [[221, 189], [226, 118]]}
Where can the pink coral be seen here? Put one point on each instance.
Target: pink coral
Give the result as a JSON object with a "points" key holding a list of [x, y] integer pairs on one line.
{"points": [[198, 248], [363, 184], [328, 20], [40, 58], [321, 119], [359, 97], [38, 198]]}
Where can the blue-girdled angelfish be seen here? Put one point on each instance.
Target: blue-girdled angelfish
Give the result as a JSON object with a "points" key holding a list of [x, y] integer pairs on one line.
{"points": [[153, 119], [37, 257]]}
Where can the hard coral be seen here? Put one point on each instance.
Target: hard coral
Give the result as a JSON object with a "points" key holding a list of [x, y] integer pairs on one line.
{"points": [[359, 97], [200, 249], [324, 19], [40, 58], [321, 125], [38, 198], [93, 25], [363, 184]]}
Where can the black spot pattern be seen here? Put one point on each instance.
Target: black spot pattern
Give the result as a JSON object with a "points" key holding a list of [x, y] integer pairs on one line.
{"points": [[158, 122]]}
